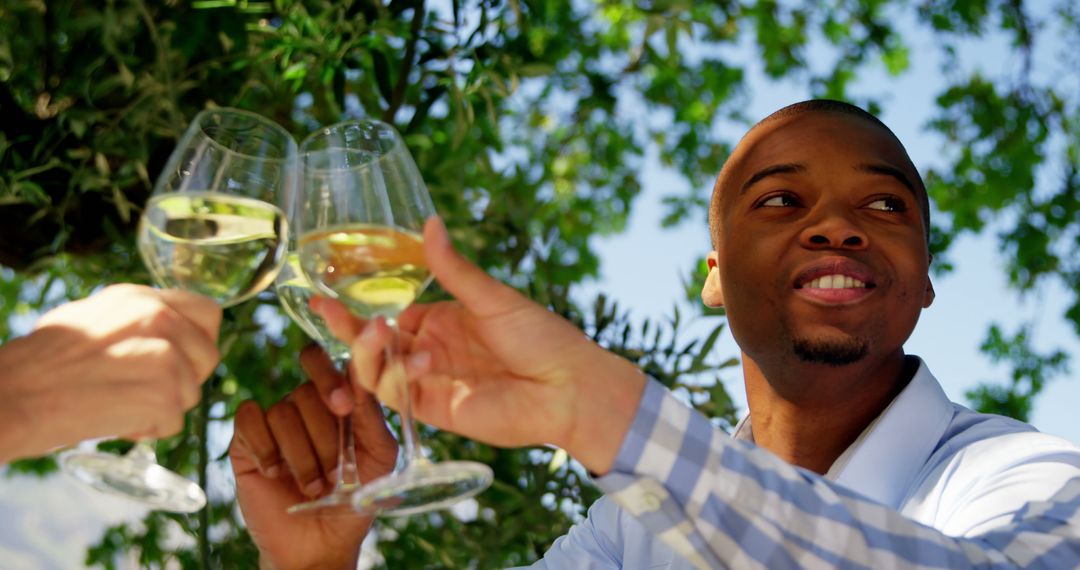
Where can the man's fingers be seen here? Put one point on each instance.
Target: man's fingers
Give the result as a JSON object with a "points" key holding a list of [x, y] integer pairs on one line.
{"points": [[479, 292], [132, 359], [367, 354], [204, 312], [373, 436], [343, 324], [287, 426], [185, 323], [243, 462], [409, 320], [320, 424], [251, 430], [93, 410], [372, 372], [332, 386]]}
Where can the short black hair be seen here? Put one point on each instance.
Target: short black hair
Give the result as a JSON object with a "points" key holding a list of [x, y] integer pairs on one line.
{"points": [[815, 106], [822, 105]]}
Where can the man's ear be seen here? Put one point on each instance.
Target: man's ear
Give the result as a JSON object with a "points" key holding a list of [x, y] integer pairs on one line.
{"points": [[711, 293], [930, 294]]}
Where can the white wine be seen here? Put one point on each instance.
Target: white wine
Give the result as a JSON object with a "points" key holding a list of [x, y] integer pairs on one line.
{"points": [[376, 270], [223, 246], [294, 291]]}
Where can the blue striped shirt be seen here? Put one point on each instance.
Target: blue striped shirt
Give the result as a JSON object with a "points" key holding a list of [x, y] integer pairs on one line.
{"points": [[929, 484]]}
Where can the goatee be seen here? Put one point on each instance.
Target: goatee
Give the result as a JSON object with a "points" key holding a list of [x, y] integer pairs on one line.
{"points": [[831, 353]]}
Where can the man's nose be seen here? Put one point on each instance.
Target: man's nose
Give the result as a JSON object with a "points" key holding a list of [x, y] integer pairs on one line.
{"points": [[833, 229]]}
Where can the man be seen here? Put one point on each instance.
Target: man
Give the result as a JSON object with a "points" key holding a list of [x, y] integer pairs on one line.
{"points": [[851, 455], [127, 361]]}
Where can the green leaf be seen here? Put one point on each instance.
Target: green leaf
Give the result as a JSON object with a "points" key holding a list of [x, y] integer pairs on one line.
{"points": [[536, 69], [896, 60], [295, 71], [37, 467]]}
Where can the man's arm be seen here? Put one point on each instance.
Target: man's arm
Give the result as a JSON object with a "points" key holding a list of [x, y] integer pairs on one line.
{"points": [[587, 546], [721, 502]]}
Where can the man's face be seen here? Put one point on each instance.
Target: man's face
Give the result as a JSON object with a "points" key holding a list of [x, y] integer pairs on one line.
{"points": [[822, 251]]}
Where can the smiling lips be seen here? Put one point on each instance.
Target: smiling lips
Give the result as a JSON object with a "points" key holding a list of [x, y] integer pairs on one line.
{"points": [[835, 281]]}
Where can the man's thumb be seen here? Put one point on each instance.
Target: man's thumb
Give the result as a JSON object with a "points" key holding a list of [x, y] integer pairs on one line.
{"points": [[481, 293]]}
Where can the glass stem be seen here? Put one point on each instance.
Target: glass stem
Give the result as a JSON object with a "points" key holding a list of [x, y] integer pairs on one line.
{"points": [[347, 476], [410, 439]]}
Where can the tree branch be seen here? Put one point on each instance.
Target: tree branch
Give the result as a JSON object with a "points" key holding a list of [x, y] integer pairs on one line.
{"points": [[398, 96], [202, 424], [433, 95], [1023, 36]]}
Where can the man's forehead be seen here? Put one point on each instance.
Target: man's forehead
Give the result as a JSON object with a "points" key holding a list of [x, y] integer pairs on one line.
{"points": [[798, 137]]}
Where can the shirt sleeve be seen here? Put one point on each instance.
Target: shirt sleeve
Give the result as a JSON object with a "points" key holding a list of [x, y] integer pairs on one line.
{"points": [[587, 546], [726, 503]]}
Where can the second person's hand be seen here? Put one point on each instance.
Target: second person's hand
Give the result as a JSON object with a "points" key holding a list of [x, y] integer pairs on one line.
{"points": [[288, 455]]}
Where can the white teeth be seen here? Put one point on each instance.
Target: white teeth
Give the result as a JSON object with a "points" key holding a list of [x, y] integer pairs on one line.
{"points": [[835, 282]]}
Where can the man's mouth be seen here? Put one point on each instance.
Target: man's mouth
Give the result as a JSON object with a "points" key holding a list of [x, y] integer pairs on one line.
{"points": [[835, 280]]}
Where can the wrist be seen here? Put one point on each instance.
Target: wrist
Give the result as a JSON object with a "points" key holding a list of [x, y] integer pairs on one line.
{"points": [[349, 564], [343, 554], [608, 398]]}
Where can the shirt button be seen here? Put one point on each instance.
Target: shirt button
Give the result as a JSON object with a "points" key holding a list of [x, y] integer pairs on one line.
{"points": [[649, 502]]}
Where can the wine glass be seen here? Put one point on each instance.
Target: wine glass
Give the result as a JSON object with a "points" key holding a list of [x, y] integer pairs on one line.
{"points": [[211, 227], [360, 241], [294, 292]]}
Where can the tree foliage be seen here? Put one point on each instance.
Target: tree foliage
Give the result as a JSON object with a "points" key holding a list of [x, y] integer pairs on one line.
{"points": [[529, 120]]}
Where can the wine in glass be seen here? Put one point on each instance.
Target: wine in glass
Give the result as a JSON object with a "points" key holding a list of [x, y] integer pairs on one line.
{"points": [[211, 227], [360, 241]]}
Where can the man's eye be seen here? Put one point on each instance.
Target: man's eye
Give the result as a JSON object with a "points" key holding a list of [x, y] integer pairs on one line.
{"points": [[888, 205], [779, 201]]}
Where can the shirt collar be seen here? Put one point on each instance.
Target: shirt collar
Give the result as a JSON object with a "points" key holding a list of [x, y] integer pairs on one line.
{"points": [[884, 460]]}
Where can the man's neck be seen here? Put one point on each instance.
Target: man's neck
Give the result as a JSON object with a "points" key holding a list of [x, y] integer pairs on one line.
{"points": [[808, 414]]}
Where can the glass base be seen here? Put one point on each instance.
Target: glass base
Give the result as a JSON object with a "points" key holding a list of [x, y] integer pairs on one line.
{"points": [[337, 504], [423, 487], [131, 477]]}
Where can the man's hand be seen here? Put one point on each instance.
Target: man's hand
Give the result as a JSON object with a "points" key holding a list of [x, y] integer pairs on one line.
{"points": [[127, 361], [494, 366], [288, 455]]}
